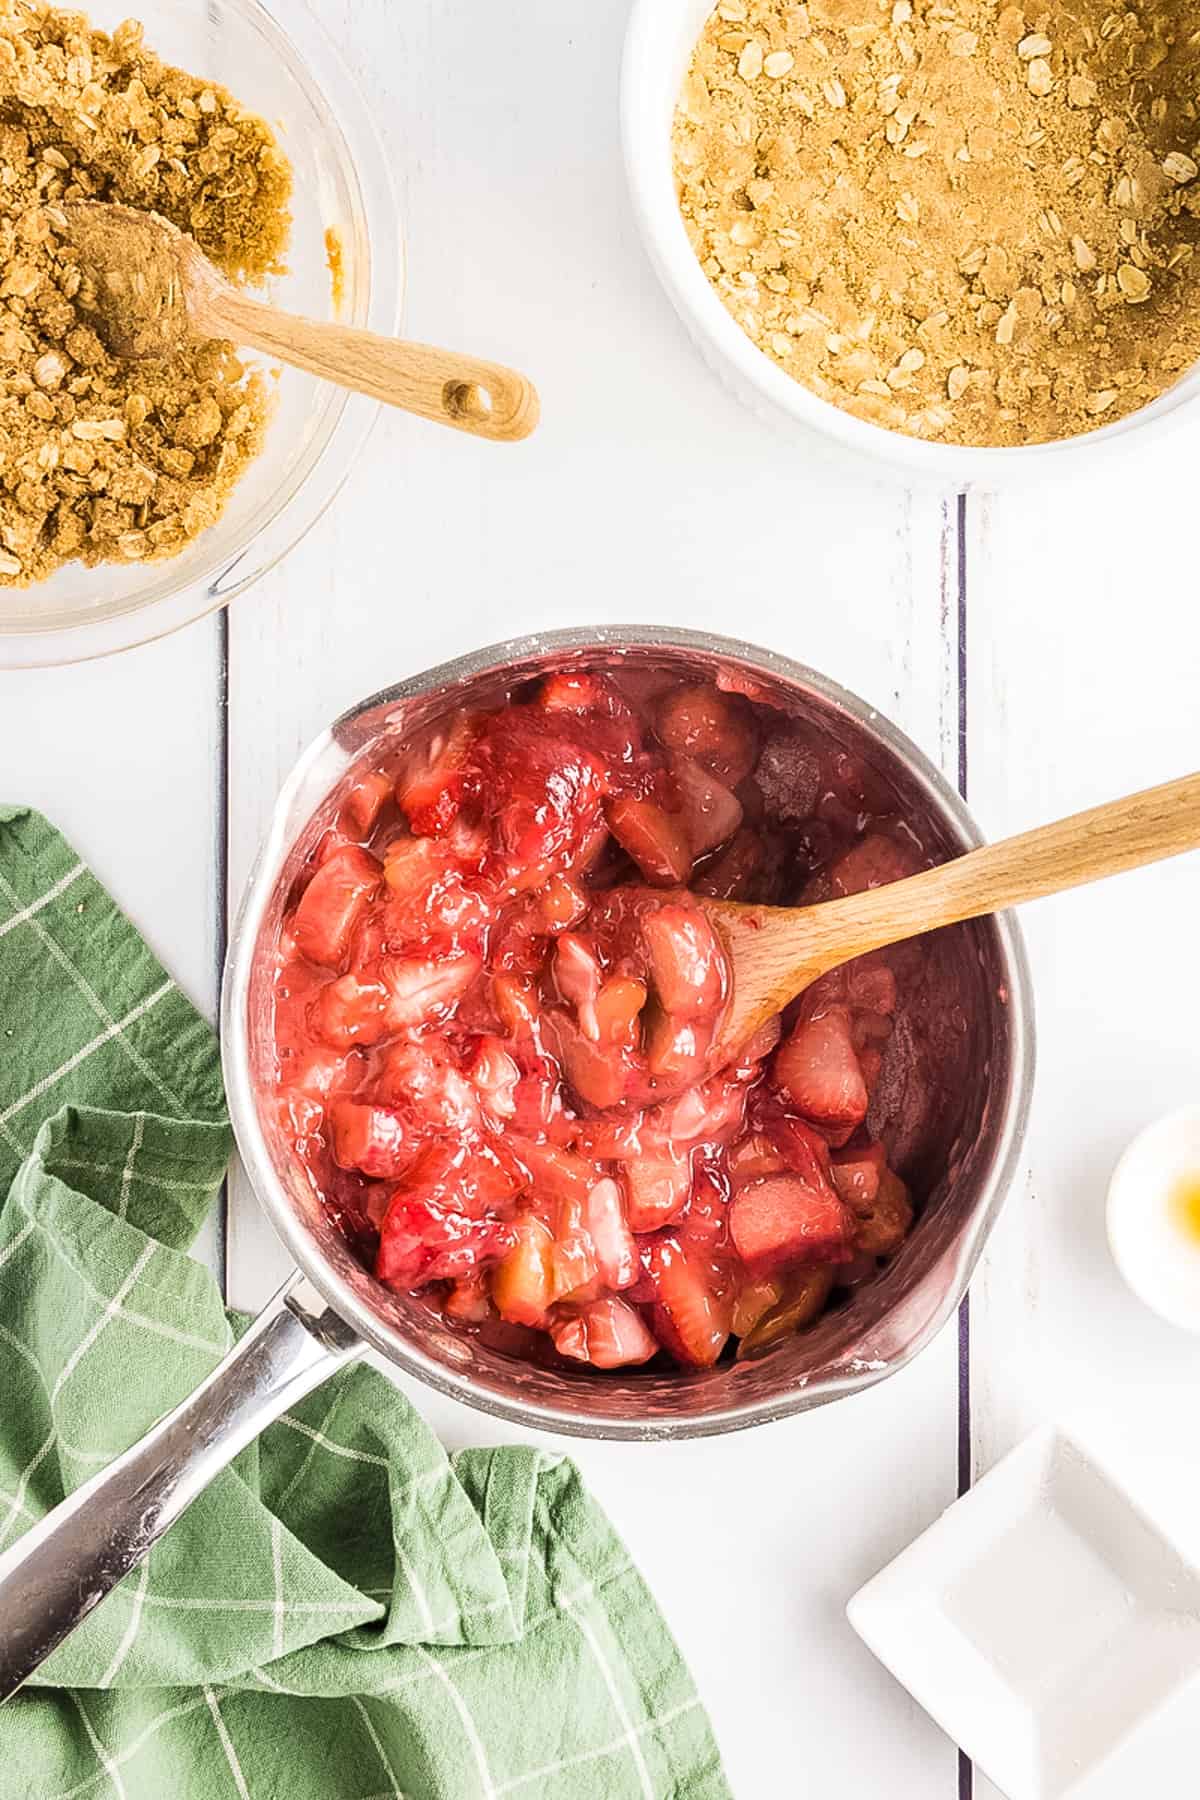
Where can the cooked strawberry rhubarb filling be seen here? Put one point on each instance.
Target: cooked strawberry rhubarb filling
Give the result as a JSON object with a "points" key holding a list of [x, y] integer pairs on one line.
{"points": [[496, 1000]]}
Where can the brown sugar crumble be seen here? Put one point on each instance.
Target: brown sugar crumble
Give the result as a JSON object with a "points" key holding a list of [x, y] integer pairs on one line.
{"points": [[968, 221], [103, 460]]}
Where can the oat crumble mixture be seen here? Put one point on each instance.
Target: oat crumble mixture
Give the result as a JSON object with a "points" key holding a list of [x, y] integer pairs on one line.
{"points": [[968, 221], [103, 460]]}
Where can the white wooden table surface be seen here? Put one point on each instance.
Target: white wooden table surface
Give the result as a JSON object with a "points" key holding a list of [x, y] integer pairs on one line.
{"points": [[1044, 646]]}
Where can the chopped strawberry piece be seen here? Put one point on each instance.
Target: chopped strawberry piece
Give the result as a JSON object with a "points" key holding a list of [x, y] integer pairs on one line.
{"points": [[577, 691], [802, 1147], [332, 904], [712, 1112], [523, 1283], [419, 1241], [656, 1188], [496, 1076], [616, 1138], [703, 1226], [875, 861], [819, 1071], [606, 1333], [595, 1071], [717, 729], [690, 1318], [710, 812], [366, 799], [428, 895], [578, 975], [422, 990], [541, 789], [782, 1221], [374, 1139], [687, 964], [554, 1171], [320, 1073], [429, 786], [733, 873], [424, 1080], [656, 840], [351, 1011]]}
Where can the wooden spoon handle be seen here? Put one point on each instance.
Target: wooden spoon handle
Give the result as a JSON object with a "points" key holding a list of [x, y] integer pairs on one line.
{"points": [[1125, 834], [483, 398]]}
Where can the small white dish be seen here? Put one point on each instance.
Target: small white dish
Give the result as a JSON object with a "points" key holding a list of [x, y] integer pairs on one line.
{"points": [[658, 49], [1147, 1217], [1050, 1628]]}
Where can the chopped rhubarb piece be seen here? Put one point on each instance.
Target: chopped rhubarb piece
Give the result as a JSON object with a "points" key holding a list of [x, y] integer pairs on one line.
{"points": [[576, 1259], [656, 839], [578, 691], [429, 786], [856, 1175], [616, 1252], [818, 1069], [804, 1298], [366, 799], [496, 1076], [754, 1298], [690, 1318], [606, 1333], [554, 1171], [468, 1300], [717, 729], [371, 1138], [782, 1221], [754, 1157], [712, 1112], [711, 813], [618, 1007], [523, 1282], [332, 904], [596, 1072], [887, 1219], [802, 1147], [578, 975], [351, 1011], [656, 1188], [703, 1226], [676, 1049], [687, 964], [422, 990], [516, 1005], [561, 903]]}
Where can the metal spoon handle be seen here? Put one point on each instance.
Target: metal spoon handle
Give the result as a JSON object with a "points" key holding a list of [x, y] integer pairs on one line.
{"points": [[51, 1578]]}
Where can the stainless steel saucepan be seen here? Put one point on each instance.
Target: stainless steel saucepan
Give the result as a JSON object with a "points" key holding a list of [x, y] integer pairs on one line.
{"points": [[332, 1309]]}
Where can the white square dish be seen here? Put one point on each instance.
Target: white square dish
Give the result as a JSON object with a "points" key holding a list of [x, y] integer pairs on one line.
{"points": [[1050, 1628]]}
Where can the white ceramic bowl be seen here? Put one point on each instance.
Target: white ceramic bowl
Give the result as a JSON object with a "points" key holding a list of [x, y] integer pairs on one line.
{"points": [[662, 35], [1149, 1245], [283, 65]]}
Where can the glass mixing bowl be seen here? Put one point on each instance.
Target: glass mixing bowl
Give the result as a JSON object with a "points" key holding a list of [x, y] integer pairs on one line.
{"points": [[294, 77]]}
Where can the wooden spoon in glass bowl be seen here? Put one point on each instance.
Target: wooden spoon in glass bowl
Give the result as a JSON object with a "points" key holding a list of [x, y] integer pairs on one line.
{"points": [[147, 288], [775, 952]]}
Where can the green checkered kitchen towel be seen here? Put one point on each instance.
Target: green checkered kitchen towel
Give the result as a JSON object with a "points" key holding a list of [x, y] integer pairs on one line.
{"points": [[346, 1612]]}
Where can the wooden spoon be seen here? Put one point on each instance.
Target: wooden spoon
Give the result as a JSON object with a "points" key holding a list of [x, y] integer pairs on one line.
{"points": [[148, 288], [776, 952]]}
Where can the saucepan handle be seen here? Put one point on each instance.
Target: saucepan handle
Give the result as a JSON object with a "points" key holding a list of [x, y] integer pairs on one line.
{"points": [[64, 1566]]}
